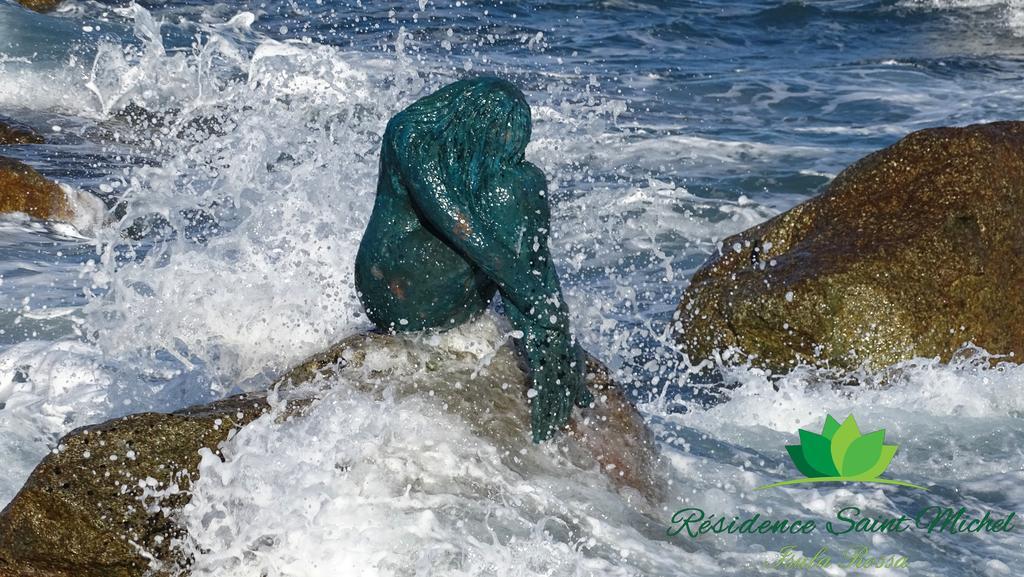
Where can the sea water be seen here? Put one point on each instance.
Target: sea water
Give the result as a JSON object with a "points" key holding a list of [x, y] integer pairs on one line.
{"points": [[242, 138]]}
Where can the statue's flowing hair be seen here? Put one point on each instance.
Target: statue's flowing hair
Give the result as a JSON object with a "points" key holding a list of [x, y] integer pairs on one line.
{"points": [[479, 127]]}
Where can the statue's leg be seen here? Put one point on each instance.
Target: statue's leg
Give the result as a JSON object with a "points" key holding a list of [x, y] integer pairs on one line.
{"points": [[415, 282]]}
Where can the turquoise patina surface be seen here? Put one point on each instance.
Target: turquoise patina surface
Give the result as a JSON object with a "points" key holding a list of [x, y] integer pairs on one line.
{"points": [[460, 214]]}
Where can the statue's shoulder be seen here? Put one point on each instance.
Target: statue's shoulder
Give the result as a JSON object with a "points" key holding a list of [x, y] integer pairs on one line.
{"points": [[397, 132]]}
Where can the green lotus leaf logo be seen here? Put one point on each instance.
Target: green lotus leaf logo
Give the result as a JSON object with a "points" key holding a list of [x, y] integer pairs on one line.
{"points": [[842, 453]]}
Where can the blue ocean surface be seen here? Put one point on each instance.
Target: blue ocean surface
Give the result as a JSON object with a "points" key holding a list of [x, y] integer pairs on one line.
{"points": [[239, 142]]}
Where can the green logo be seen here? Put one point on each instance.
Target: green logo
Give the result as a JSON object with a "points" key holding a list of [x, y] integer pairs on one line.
{"points": [[841, 453]]}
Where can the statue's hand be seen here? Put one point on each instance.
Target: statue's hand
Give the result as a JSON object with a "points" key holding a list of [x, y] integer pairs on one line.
{"points": [[547, 311], [558, 382]]}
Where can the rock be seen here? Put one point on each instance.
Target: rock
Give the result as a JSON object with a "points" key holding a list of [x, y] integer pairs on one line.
{"points": [[494, 402], [40, 5], [14, 134], [145, 123], [912, 251], [24, 190], [82, 512]]}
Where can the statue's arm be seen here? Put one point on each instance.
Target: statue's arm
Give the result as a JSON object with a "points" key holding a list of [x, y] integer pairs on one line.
{"points": [[555, 358], [449, 212]]}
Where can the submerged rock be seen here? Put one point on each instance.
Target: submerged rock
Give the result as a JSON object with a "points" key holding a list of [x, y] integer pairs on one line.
{"points": [[104, 503], [24, 190], [145, 124], [912, 251], [14, 134]]}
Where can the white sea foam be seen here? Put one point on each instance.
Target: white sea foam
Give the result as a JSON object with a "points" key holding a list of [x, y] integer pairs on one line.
{"points": [[1011, 11], [277, 286], [45, 389], [394, 488]]}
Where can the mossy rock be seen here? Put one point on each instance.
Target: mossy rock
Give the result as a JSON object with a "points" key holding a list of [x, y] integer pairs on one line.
{"points": [[913, 251], [82, 513], [24, 190]]}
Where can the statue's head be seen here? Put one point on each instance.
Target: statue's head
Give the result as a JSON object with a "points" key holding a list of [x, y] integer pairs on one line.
{"points": [[481, 126]]}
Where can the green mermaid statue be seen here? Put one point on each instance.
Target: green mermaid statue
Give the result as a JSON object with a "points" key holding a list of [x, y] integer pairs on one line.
{"points": [[460, 214]]}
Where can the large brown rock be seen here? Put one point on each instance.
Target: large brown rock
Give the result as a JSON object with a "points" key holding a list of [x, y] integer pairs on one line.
{"points": [[912, 251], [22, 189], [40, 5], [82, 512]]}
